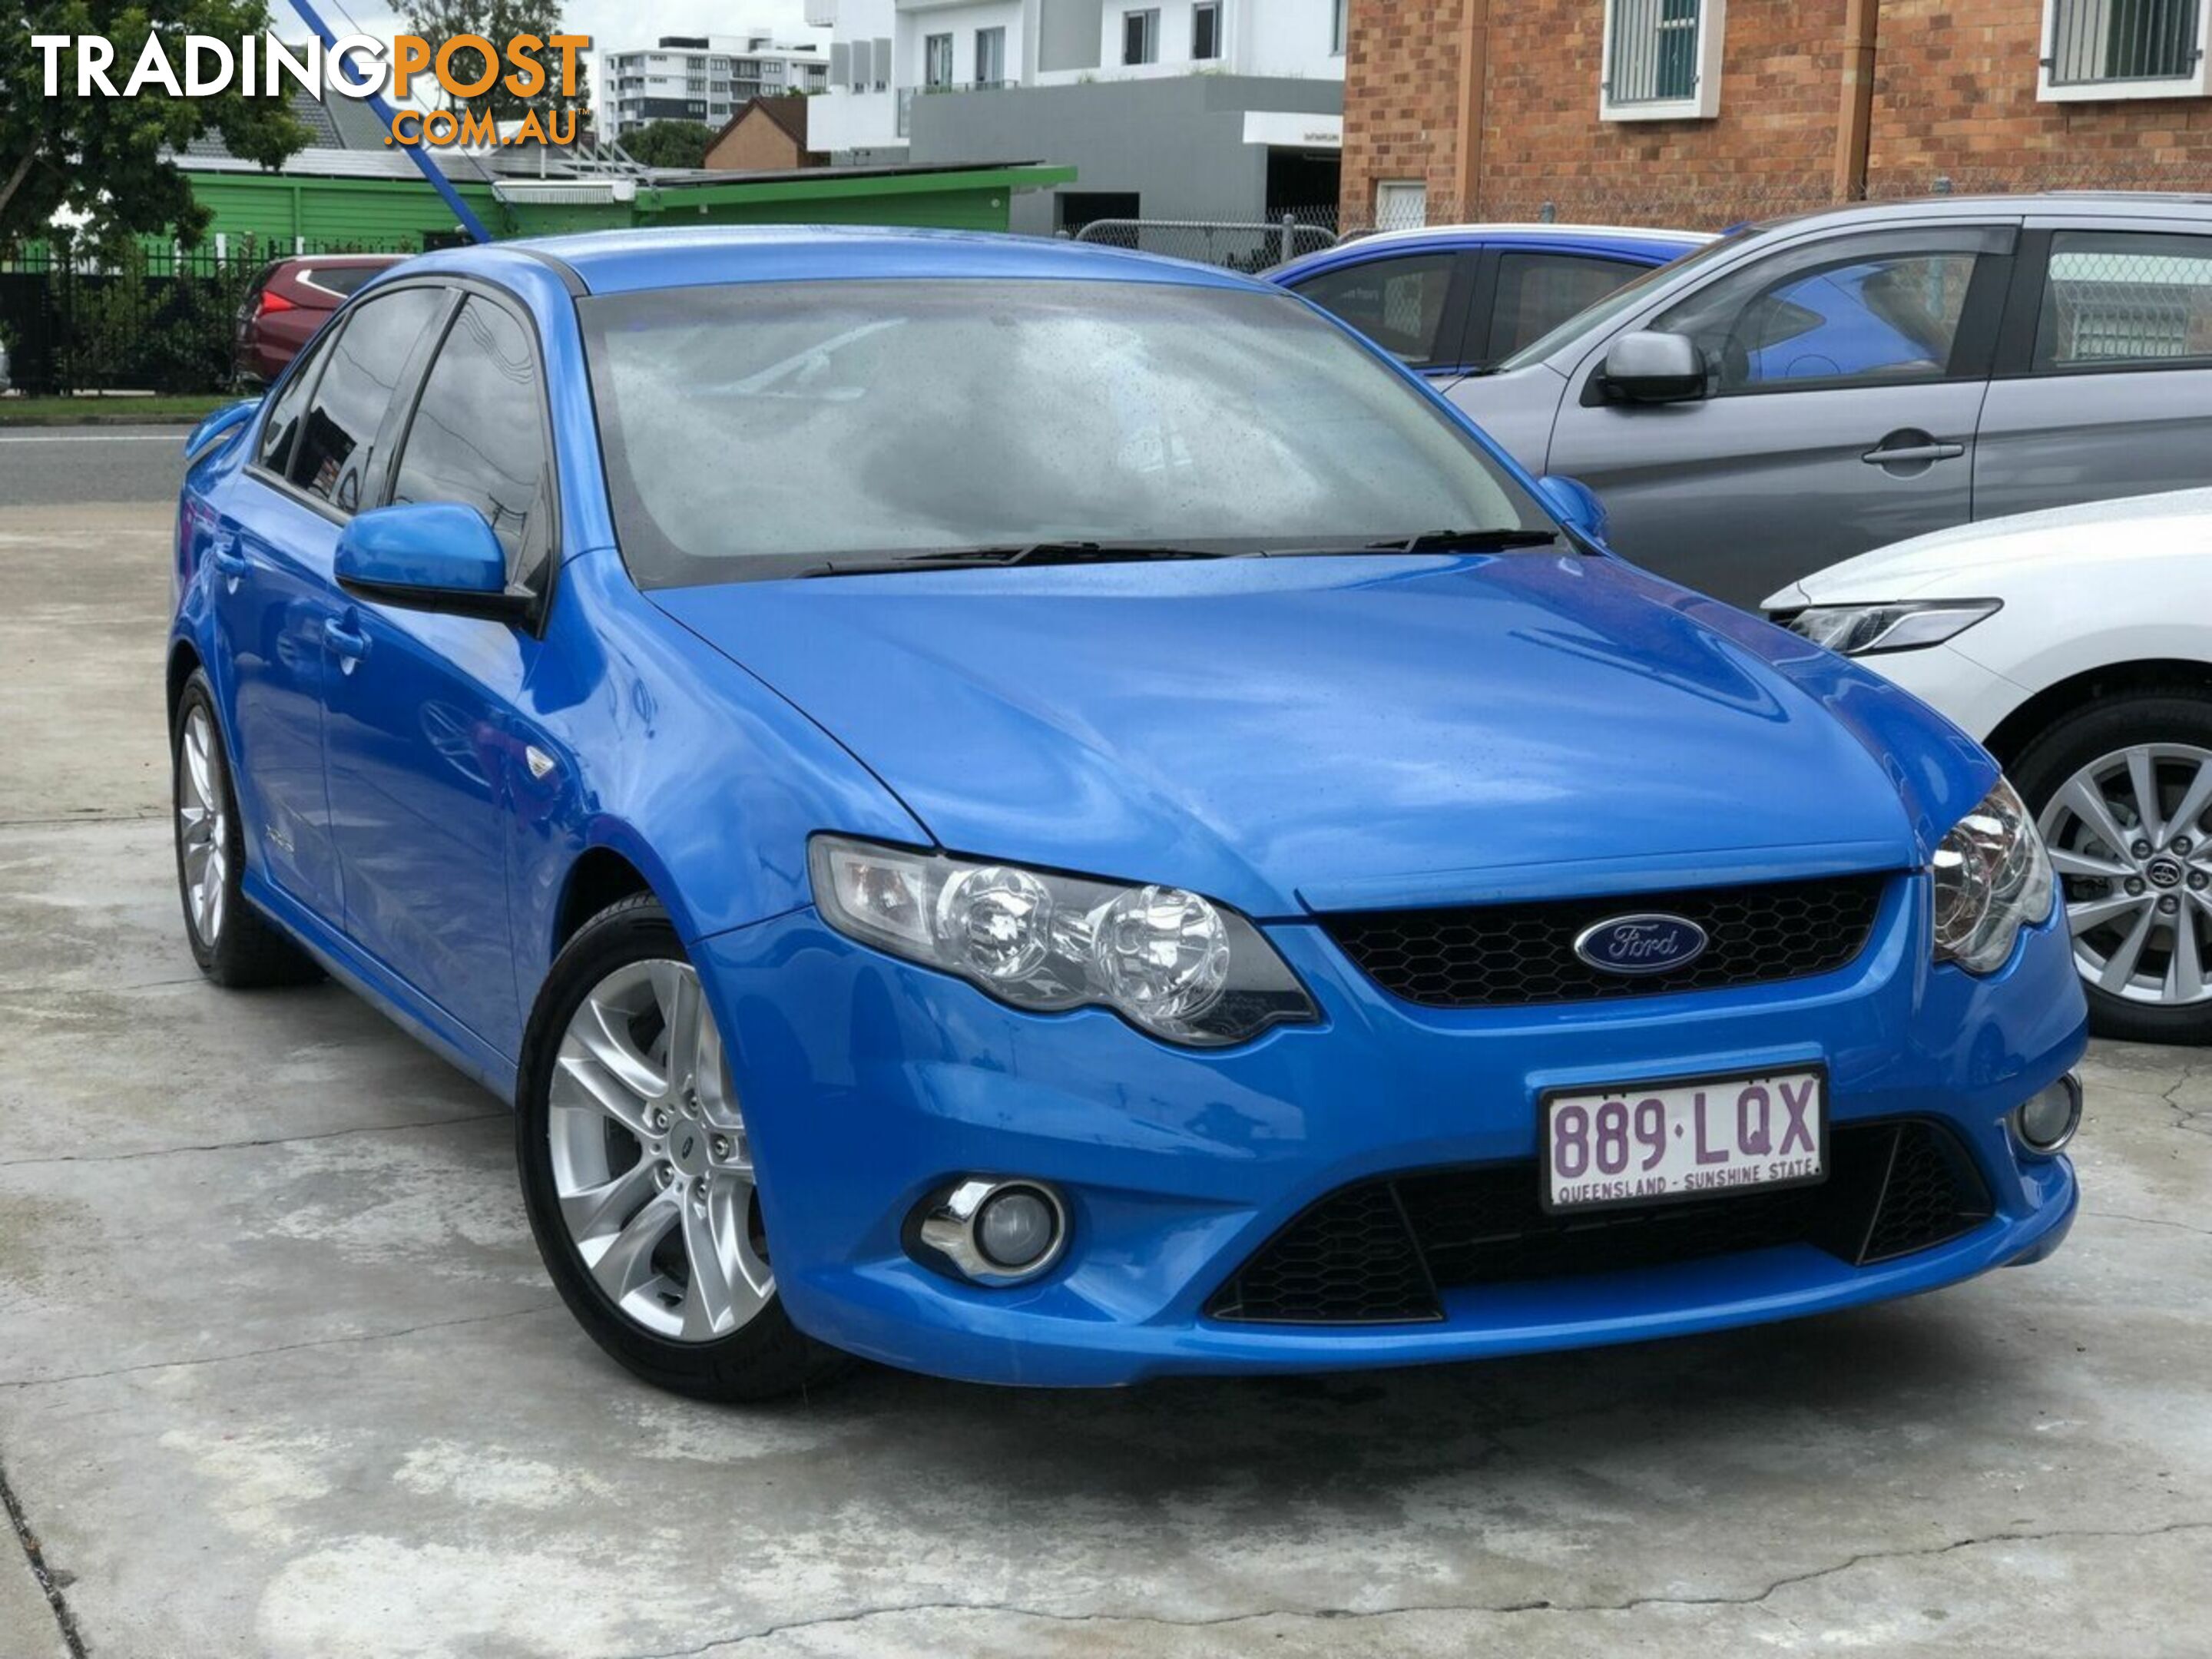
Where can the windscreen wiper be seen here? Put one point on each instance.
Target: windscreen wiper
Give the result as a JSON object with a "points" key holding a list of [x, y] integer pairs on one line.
{"points": [[1465, 541], [1031, 553]]}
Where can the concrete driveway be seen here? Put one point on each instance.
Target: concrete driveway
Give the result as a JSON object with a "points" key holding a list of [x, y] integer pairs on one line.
{"points": [[279, 1372]]}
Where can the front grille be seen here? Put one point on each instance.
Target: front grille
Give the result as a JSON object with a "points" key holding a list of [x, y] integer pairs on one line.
{"points": [[1503, 955], [1380, 1251]]}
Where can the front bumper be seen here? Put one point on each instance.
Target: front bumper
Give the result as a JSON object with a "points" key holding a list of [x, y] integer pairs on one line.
{"points": [[869, 1082]]}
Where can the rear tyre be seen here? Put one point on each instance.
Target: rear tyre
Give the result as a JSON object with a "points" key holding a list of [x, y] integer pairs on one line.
{"points": [[234, 944], [638, 1174], [2121, 791]]}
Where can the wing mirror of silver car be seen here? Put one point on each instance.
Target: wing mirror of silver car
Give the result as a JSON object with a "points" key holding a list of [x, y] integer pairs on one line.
{"points": [[1646, 368]]}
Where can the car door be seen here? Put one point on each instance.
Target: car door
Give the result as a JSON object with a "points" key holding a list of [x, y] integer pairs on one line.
{"points": [[2104, 379], [276, 535], [1415, 305], [1846, 379], [419, 718]]}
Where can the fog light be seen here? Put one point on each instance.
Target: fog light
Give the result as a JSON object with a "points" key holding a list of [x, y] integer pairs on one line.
{"points": [[2047, 1120], [994, 1231], [1015, 1227]]}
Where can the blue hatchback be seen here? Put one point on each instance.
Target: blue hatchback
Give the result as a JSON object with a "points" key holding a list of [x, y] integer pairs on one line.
{"points": [[1050, 817], [1452, 300]]}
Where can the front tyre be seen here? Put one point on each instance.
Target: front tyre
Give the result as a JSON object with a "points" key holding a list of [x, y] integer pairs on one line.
{"points": [[233, 943], [2121, 791], [637, 1169]]}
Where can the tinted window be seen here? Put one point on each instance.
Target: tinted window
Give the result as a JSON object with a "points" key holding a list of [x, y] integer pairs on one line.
{"points": [[2113, 298], [476, 436], [757, 428], [1830, 314], [341, 279], [366, 361], [1537, 292], [1400, 304], [280, 432]]}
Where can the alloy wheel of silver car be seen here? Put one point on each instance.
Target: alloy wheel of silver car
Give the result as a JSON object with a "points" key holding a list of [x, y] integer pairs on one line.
{"points": [[2128, 841], [202, 827], [650, 1160]]}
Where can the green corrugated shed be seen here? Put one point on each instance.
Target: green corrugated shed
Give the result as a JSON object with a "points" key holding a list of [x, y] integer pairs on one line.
{"points": [[328, 212]]}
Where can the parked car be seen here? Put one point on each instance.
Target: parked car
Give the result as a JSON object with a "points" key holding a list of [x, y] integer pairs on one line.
{"points": [[958, 787], [5, 382], [1451, 300], [1801, 391], [290, 299], [2077, 644]]}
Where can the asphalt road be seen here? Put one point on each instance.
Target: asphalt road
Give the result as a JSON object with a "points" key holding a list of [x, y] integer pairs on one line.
{"points": [[60, 466], [281, 1375]]}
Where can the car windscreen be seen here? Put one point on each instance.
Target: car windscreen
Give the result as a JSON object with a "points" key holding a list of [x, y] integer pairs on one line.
{"points": [[758, 429], [1622, 300]]}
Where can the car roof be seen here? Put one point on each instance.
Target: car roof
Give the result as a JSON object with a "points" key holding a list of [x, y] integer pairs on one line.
{"points": [[2117, 204], [1640, 242], [621, 261]]}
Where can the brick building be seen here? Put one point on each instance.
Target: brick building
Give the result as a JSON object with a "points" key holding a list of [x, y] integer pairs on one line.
{"points": [[767, 134], [1704, 111]]}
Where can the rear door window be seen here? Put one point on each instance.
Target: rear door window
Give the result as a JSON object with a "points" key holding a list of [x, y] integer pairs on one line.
{"points": [[1537, 292], [336, 444], [1403, 305], [280, 432], [2114, 300], [478, 436]]}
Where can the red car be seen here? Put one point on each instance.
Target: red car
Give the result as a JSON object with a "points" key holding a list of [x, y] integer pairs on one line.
{"points": [[290, 299]]}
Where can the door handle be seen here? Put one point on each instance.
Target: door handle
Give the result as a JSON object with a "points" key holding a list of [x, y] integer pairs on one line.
{"points": [[230, 563], [349, 645], [1910, 453]]}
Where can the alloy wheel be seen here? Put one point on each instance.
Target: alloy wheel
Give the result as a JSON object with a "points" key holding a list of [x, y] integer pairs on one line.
{"points": [[204, 826], [2127, 840], [650, 1159]]}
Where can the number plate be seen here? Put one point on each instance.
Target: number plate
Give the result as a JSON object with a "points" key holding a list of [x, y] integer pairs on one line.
{"points": [[1646, 1143]]}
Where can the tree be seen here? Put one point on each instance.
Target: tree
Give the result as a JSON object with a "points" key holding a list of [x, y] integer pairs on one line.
{"points": [[102, 157], [497, 22], [670, 143]]}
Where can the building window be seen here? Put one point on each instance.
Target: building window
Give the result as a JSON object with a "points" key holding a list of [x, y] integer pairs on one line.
{"points": [[1401, 203], [2122, 49], [1205, 32], [1662, 60], [1140, 37], [990, 57], [936, 60], [1340, 26]]}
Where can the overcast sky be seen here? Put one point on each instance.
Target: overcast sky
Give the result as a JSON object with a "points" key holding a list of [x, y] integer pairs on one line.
{"points": [[613, 25]]}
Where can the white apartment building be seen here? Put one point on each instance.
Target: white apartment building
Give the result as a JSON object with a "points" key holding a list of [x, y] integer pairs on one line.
{"points": [[706, 78], [884, 54]]}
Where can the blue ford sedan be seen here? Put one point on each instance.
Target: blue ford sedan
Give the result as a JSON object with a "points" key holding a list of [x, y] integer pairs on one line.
{"points": [[1050, 817]]}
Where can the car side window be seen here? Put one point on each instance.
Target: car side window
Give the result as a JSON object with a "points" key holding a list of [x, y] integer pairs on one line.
{"points": [[2111, 298], [280, 432], [476, 436], [337, 436], [1537, 292], [1840, 312], [1400, 304]]}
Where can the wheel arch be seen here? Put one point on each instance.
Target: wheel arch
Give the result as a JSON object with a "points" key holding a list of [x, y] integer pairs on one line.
{"points": [[2016, 731], [184, 661]]}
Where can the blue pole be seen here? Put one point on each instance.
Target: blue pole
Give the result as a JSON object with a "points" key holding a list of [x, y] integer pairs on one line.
{"points": [[416, 153]]}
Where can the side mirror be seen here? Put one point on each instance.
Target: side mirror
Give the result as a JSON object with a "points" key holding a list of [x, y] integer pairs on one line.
{"points": [[1653, 369], [430, 555], [1575, 505], [226, 423]]}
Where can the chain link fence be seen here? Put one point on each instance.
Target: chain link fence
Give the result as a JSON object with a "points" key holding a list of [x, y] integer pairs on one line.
{"points": [[1253, 247], [145, 318]]}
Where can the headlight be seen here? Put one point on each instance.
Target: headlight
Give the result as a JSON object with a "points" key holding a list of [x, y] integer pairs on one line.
{"points": [[1170, 963], [1865, 630], [1993, 878]]}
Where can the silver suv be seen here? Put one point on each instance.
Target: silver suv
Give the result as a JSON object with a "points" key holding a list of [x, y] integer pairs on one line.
{"points": [[1802, 391]]}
